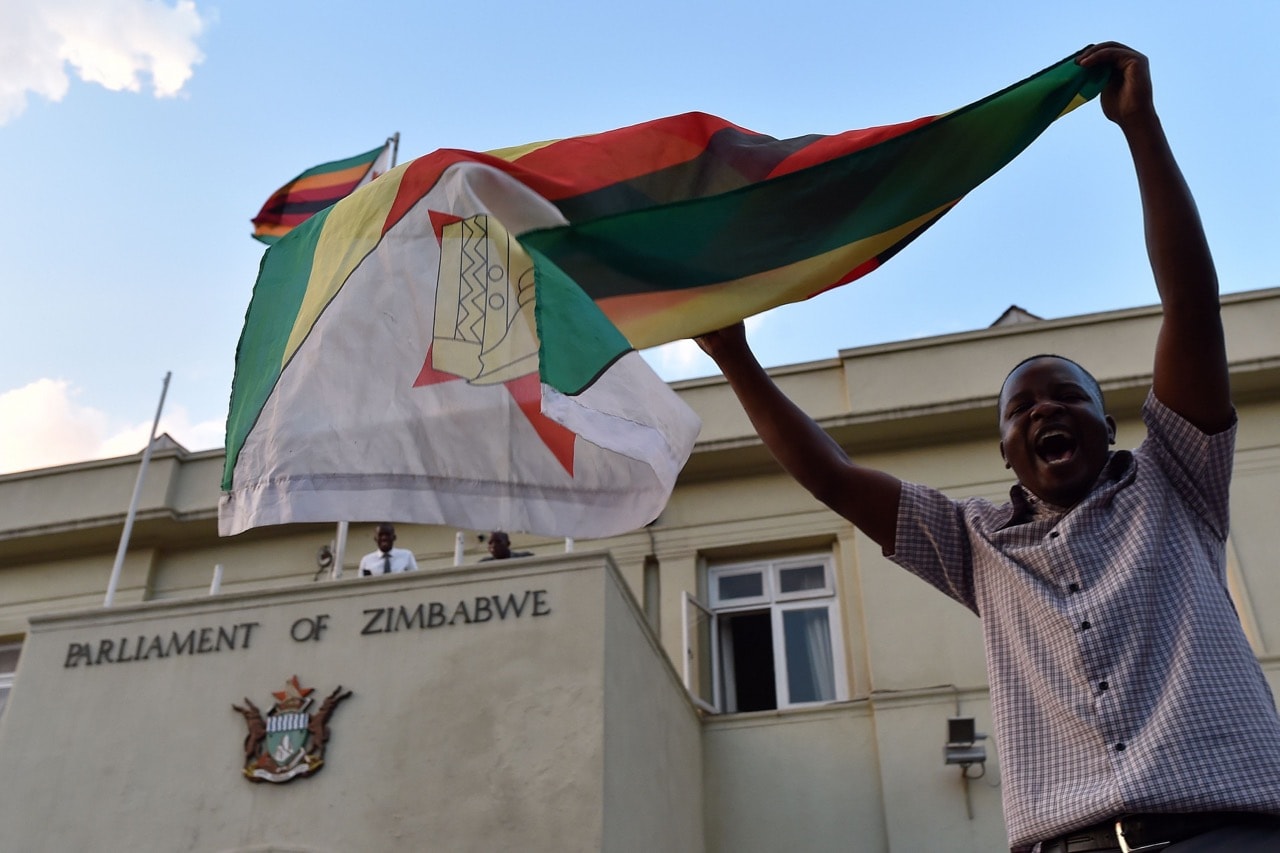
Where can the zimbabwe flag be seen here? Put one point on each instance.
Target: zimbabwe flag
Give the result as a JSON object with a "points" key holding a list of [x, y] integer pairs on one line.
{"points": [[455, 343], [315, 189]]}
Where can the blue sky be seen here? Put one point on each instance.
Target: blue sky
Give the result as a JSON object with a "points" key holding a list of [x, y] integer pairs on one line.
{"points": [[138, 138]]}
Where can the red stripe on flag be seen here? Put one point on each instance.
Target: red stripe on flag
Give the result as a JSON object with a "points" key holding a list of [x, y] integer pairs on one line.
{"points": [[831, 147], [602, 159], [527, 392], [571, 167], [430, 376], [310, 194]]}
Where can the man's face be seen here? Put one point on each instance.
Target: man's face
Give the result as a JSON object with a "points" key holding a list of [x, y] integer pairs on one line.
{"points": [[499, 546], [1053, 431], [385, 537]]}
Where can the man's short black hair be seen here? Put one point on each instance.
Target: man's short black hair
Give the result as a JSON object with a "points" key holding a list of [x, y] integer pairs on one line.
{"points": [[1093, 382]]}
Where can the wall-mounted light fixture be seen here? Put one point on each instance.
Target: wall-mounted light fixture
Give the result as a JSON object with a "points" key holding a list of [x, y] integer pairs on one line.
{"points": [[962, 743], [962, 748]]}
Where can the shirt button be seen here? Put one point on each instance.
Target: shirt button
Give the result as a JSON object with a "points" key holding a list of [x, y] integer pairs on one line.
{"points": [[1119, 747], [1075, 587], [1085, 625], [1102, 685], [1053, 535]]}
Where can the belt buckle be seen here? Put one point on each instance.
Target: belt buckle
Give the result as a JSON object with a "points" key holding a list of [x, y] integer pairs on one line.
{"points": [[1145, 848]]}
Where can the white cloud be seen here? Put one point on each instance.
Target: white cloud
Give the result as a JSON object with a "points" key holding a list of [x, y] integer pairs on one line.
{"points": [[685, 359], [114, 43], [44, 425], [679, 360]]}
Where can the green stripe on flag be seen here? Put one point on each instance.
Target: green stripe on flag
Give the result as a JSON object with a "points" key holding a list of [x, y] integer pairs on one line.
{"points": [[787, 219], [282, 283], [338, 165], [586, 343]]}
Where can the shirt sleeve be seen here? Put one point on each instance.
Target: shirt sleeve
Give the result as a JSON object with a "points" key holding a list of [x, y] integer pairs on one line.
{"points": [[1197, 464], [932, 542]]}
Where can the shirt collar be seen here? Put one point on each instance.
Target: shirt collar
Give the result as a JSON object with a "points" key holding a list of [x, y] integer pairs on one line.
{"points": [[1025, 506]]}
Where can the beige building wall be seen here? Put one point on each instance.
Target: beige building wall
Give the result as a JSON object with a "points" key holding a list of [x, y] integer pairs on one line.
{"points": [[540, 720], [864, 773]]}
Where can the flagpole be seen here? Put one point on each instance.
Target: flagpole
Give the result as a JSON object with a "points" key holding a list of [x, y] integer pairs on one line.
{"points": [[340, 550], [394, 139], [133, 504]]}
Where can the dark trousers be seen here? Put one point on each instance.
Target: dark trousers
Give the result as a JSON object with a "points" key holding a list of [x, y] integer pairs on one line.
{"points": [[1260, 835], [1228, 839], [1239, 839]]}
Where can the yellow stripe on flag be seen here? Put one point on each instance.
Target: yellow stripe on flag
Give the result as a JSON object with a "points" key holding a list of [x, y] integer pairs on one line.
{"points": [[650, 319], [331, 179], [352, 230]]}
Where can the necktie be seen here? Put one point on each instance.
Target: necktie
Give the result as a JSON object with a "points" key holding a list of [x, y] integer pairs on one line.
{"points": [[386, 562]]}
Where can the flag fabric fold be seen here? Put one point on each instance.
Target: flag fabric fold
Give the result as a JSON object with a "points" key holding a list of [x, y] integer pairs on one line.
{"points": [[456, 343], [317, 188]]}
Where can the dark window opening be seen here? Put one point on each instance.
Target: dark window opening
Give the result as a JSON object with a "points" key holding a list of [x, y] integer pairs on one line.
{"points": [[751, 638]]}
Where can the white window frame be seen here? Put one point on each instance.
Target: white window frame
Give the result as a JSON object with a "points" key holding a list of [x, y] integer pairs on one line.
{"points": [[766, 584], [776, 603], [828, 588], [7, 675], [782, 686], [693, 661]]}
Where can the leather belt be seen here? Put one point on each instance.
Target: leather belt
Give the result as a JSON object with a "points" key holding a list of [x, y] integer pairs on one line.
{"points": [[1146, 833]]}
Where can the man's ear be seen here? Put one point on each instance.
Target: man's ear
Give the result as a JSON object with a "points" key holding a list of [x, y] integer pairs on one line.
{"points": [[1002, 456], [1111, 430]]}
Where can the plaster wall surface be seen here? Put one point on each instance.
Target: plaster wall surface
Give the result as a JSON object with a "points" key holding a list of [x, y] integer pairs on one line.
{"points": [[652, 787], [802, 781], [476, 721]]}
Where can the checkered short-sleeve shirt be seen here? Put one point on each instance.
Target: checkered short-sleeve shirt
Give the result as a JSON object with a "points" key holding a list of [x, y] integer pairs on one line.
{"points": [[1121, 679]]}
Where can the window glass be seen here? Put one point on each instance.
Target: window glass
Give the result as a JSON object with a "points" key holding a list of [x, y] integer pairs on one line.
{"points": [[749, 585], [802, 578], [8, 666], [810, 668], [700, 670]]}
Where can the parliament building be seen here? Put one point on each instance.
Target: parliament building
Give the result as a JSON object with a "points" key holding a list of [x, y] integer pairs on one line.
{"points": [[746, 674]]}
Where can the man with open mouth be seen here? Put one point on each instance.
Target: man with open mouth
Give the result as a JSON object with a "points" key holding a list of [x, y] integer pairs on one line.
{"points": [[1130, 711]]}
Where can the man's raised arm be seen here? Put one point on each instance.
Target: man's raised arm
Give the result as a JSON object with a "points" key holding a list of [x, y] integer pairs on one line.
{"points": [[865, 496], [1190, 374]]}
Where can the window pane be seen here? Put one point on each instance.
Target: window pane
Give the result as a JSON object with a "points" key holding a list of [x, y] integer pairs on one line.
{"points": [[802, 578], [810, 669], [750, 639], [699, 671], [740, 586], [8, 664]]}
